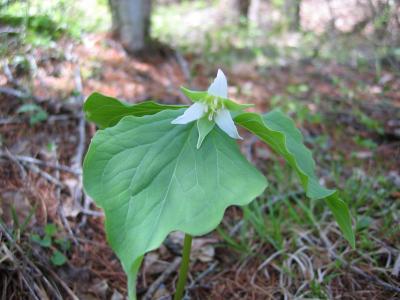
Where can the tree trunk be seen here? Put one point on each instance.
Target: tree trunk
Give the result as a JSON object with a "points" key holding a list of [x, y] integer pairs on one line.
{"points": [[292, 9], [235, 9], [254, 12], [131, 23]]}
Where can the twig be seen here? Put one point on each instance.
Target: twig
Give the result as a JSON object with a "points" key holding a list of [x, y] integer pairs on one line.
{"points": [[265, 263], [202, 275], [98, 245], [33, 168], [28, 286], [396, 268], [8, 73], [248, 148], [45, 175], [28, 283], [153, 287], [50, 119], [11, 120], [21, 92], [182, 62], [13, 92], [26, 259], [77, 159], [28, 159], [60, 207], [92, 213], [12, 157], [85, 209], [62, 283], [355, 269]]}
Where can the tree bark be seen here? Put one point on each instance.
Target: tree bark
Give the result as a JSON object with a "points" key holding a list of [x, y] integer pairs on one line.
{"points": [[131, 23], [235, 9], [254, 12], [292, 9]]}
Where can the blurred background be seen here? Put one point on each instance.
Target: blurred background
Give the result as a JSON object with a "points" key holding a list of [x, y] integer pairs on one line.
{"points": [[332, 65]]}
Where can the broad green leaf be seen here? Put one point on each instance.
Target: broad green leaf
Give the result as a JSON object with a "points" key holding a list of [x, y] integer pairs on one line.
{"points": [[150, 179], [204, 126], [281, 134], [107, 111]]}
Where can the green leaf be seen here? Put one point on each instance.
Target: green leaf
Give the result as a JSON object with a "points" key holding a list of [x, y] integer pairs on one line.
{"points": [[50, 229], [45, 242], [107, 111], [36, 113], [58, 259], [364, 222], [204, 126], [29, 107], [281, 134], [38, 117], [150, 179], [64, 244]]}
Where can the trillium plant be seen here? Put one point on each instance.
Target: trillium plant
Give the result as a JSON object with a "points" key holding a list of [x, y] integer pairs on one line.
{"points": [[158, 168]]}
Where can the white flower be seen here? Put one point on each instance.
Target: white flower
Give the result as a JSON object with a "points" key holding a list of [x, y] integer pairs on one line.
{"points": [[193, 113], [219, 87], [212, 106]]}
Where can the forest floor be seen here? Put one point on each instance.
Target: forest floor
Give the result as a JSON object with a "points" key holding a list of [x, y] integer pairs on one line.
{"points": [[350, 119]]}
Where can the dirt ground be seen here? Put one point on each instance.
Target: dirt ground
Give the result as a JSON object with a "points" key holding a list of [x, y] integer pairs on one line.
{"points": [[40, 172]]}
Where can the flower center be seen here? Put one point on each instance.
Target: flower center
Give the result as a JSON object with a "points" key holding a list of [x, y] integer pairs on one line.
{"points": [[213, 106]]}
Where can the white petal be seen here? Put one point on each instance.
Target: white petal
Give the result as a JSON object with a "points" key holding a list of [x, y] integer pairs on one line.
{"points": [[194, 112], [225, 122], [219, 87]]}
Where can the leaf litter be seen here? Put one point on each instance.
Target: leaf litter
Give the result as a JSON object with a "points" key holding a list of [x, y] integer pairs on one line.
{"points": [[307, 260]]}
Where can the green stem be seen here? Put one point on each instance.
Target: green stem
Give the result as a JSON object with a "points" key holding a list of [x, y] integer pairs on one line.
{"points": [[131, 288], [132, 275], [183, 270]]}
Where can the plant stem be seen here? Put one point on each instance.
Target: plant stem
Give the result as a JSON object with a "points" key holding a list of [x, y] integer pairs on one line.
{"points": [[183, 270], [132, 275]]}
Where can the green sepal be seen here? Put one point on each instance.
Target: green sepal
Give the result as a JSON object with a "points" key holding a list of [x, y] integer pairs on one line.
{"points": [[234, 106], [194, 96], [204, 127], [204, 96]]}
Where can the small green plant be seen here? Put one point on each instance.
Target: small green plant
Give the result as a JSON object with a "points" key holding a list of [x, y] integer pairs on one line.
{"points": [[58, 246], [364, 142], [158, 168], [19, 228], [35, 112], [368, 122]]}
